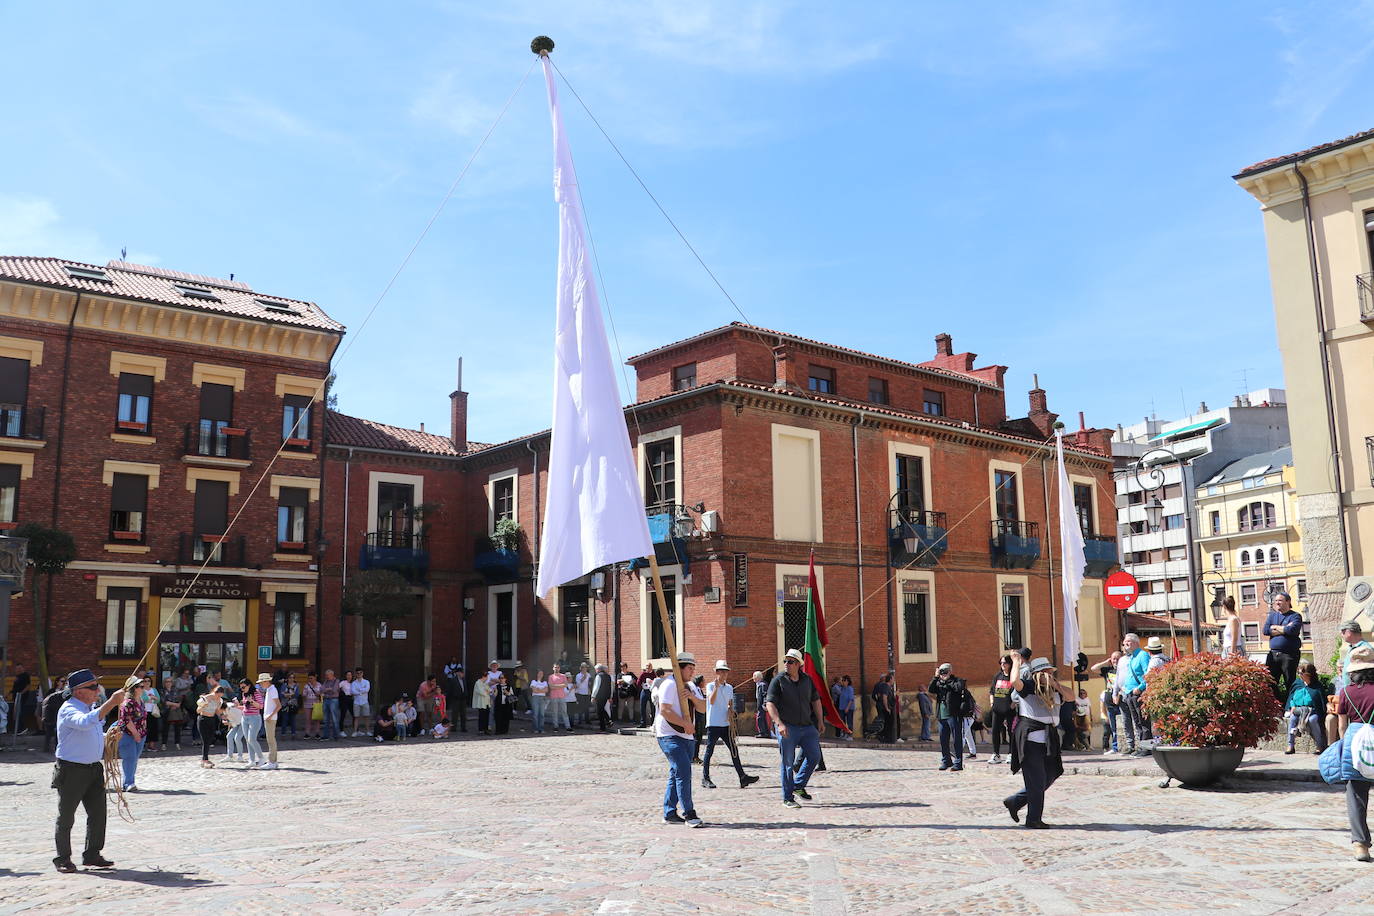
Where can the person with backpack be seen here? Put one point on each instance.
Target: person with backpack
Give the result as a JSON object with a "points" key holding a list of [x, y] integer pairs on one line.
{"points": [[952, 705], [52, 704], [1356, 700]]}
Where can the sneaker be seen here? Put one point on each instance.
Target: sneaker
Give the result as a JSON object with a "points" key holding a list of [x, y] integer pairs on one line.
{"points": [[673, 818], [269, 766], [1110, 753], [748, 781], [706, 783], [377, 738], [65, 866], [791, 803], [694, 821], [971, 757], [228, 758], [96, 862], [956, 768], [946, 766], [802, 793]]}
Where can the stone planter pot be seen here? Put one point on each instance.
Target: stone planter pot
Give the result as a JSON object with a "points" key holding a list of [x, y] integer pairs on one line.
{"points": [[1198, 766]]}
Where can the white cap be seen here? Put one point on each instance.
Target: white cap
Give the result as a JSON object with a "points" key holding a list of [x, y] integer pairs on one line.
{"points": [[721, 666]]}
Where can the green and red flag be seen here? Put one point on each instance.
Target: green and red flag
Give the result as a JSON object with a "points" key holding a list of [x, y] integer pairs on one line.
{"points": [[813, 654]]}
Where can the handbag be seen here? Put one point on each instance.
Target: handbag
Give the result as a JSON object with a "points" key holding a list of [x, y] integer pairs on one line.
{"points": [[317, 712]]}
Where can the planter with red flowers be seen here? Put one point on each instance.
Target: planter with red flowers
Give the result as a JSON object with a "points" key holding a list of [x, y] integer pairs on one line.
{"points": [[1206, 710]]}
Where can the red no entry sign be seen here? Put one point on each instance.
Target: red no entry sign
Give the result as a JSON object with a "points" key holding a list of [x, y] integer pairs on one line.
{"points": [[1122, 589]]}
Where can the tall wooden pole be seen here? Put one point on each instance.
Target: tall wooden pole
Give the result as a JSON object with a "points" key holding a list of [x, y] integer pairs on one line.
{"points": [[670, 637]]}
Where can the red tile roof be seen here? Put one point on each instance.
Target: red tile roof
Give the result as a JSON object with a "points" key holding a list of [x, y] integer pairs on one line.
{"points": [[155, 284], [741, 326], [1310, 151], [341, 429]]}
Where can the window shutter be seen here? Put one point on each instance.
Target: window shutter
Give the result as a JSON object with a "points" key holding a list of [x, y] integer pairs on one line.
{"points": [[212, 506], [216, 402], [293, 496], [9, 475], [137, 385], [14, 380], [130, 493]]}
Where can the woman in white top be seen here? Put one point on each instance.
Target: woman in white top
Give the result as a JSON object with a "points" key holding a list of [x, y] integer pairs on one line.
{"points": [[481, 701], [539, 700], [1230, 629], [1035, 743]]}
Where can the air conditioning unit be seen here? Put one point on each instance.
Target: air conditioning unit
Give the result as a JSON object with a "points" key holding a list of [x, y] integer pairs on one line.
{"points": [[1359, 601], [598, 581], [710, 521]]}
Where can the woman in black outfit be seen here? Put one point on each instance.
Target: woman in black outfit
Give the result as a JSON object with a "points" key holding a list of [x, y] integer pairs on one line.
{"points": [[503, 704], [999, 701], [1035, 752]]}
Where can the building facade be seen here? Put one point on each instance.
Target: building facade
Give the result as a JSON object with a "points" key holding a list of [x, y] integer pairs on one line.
{"points": [[1318, 212], [166, 421]]}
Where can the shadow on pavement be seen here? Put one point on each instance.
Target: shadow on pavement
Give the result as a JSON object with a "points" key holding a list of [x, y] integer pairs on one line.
{"points": [[157, 876], [6, 873], [167, 792]]}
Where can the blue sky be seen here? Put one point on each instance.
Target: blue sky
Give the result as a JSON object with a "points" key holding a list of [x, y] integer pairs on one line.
{"points": [[1048, 182]]}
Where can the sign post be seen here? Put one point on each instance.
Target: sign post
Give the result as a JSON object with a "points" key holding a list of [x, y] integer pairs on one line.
{"points": [[1121, 590]]}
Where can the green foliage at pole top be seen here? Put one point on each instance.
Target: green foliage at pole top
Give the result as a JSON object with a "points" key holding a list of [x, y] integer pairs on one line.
{"points": [[50, 549], [377, 594]]}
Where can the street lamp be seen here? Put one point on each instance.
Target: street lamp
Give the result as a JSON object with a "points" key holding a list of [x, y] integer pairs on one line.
{"points": [[1154, 516], [1154, 513]]}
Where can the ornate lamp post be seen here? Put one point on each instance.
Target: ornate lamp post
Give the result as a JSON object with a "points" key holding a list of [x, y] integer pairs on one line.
{"points": [[1154, 516]]}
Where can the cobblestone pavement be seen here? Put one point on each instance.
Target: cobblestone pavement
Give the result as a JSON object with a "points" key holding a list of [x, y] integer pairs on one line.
{"points": [[571, 824]]}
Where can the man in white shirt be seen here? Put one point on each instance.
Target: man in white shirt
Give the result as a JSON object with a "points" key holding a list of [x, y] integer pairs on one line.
{"points": [[361, 689], [582, 691], [720, 697], [673, 727], [271, 705]]}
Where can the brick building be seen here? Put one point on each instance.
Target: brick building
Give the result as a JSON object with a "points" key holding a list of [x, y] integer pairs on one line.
{"points": [[140, 409]]}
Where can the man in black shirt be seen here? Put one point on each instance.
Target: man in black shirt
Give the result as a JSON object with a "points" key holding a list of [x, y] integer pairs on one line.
{"points": [[883, 699], [794, 707]]}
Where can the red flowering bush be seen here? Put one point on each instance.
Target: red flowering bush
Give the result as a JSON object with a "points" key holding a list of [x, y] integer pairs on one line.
{"points": [[1207, 701]]}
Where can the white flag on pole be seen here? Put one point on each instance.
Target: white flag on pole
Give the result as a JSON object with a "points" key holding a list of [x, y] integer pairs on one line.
{"points": [[1071, 543], [594, 514]]}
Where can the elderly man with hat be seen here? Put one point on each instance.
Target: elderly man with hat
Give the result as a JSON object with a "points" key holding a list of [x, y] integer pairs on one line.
{"points": [[674, 722], [601, 696], [271, 706], [79, 774], [720, 697], [795, 708]]}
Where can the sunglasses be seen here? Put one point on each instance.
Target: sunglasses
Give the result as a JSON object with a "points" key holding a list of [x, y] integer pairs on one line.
{"points": [[791, 661]]}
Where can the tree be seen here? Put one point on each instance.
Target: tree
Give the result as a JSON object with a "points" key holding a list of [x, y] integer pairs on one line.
{"points": [[375, 595], [50, 550]]}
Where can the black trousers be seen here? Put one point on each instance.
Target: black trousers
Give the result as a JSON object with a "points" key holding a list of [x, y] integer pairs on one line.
{"points": [[458, 710], [80, 784], [483, 715], [206, 727], [720, 733], [1282, 666], [1035, 775], [1001, 731], [602, 718]]}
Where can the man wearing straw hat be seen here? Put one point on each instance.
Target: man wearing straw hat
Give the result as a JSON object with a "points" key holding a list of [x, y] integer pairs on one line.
{"points": [[271, 706], [795, 707], [674, 722], [720, 697], [79, 774]]}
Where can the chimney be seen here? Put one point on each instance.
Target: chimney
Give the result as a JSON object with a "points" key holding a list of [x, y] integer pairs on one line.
{"points": [[782, 368], [1040, 416], [1236, 402], [1202, 408], [1037, 397], [1082, 423], [944, 345], [422, 426], [458, 413]]}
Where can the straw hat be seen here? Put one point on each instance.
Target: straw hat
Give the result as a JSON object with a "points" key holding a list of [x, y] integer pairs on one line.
{"points": [[1155, 644], [264, 678], [1361, 659], [721, 665]]}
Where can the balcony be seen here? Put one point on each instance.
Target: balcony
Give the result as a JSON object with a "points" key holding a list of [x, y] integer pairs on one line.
{"points": [[21, 422], [1014, 545], [1364, 288], [917, 538], [667, 524], [497, 565], [401, 551], [220, 550], [1101, 554], [204, 440]]}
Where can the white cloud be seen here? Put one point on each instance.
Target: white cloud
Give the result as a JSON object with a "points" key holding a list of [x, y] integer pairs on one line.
{"points": [[1326, 48], [33, 226], [250, 118]]}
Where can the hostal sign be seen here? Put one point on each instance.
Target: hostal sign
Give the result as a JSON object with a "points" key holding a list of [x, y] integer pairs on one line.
{"points": [[230, 587]]}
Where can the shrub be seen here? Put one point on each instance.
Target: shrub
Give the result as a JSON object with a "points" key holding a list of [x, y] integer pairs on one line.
{"points": [[1207, 701]]}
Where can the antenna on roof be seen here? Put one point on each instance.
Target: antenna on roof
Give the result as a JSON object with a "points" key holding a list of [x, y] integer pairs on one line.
{"points": [[231, 277], [124, 253]]}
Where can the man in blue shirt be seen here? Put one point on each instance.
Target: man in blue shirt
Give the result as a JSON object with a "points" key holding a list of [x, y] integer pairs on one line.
{"points": [[1283, 626], [79, 775]]}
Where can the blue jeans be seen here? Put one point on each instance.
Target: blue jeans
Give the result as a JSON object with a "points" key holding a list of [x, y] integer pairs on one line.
{"points": [[952, 742], [809, 740], [331, 717], [234, 741], [679, 791], [538, 706], [129, 749], [559, 711], [925, 727], [252, 727], [1109, 714]]}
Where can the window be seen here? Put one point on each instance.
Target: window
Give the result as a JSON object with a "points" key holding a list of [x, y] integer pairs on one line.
{"points": [[87, 273], [1157, 555], [1301, 589], [121, 621], [685, 377], [1306, 631], [14, 395], [877, 391], [911, 483], [1004, 486], [1135, 498], [1213, 490], [1173, 490], [1178, 553], [195, 292], [1178, 585], [1083, 505], [288, 625], [1250, 631], [1214, 521], [135, 402], [658, 644], [821, 380], [660, 477], [505, 624], [128, 503], [211, 520], [275, 306], [1013, 631], [1218, 561], [915, 621], [933, 402], [1273, 555], [396, 515], [797, 484], [216, 414], [1256, 516], [295, 421], [1173, 522], [9, 493], [503, 499], [1248, 596], [1137, 527], [292, 506], [1245, 558]]}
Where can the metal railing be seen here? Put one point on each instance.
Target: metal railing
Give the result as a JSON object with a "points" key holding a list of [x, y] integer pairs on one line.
{"points": [[206, 441], [21, 422], [1364, 289], [220, 551], [918, 518], [401, 539], [1009, 526]]}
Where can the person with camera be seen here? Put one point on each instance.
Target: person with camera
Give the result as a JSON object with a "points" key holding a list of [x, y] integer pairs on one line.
{"points": [[79, 774], [952, 706]]}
